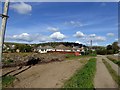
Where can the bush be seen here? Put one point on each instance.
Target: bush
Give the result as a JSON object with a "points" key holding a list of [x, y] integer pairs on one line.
{"points": [[8, 61], [110, 51], [7, 80], [102, 52], [114, 60]]}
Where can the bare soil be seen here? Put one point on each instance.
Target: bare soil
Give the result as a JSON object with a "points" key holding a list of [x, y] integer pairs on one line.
{"points": [[51, 75]]}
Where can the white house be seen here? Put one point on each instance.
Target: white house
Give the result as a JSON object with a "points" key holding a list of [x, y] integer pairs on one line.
{"points": [[40, 49], [59, 48], [17, 50], [63, 48], [49, 48], [45, 49]]}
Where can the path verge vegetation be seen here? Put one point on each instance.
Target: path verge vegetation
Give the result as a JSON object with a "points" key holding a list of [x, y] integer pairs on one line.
{"points": [[7, 80], [72, 56], [83, 78], [114, 60]]}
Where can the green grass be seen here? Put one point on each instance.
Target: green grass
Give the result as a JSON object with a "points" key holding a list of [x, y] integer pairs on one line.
{"points": [[8, 61], [112, 72], [7, 80], [114, 60], [72, 56], [93, 54], [83, 78]]}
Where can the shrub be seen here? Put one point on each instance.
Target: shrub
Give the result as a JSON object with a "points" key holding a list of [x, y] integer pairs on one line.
{"points": [[110, 51], [102, 52], [7, 80]]}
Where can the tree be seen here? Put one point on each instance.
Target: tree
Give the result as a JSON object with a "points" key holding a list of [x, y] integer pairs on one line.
{"points": [[115, 47], [23, 48], [109, 47]]}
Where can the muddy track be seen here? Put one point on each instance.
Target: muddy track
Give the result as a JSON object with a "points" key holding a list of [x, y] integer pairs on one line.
{"points": [[113, 65], [103, 79]]}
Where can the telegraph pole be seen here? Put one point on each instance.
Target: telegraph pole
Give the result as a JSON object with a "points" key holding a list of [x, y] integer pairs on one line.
{"points": [[91, 46], [3, 26]]}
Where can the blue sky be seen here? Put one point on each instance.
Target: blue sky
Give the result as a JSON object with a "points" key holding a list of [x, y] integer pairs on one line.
{"points": [[63, 21]]}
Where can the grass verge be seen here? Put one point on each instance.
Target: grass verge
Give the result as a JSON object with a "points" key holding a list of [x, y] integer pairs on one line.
{"points": [[72, 56], [112, 72], [114, 60], [7, 80], [83, 78]]}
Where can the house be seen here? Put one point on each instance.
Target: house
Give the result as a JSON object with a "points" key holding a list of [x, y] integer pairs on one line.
{"points": [[49, 48], [4, 46], [41, 49], [17, 50], [61, 47], [45, 49], [76, 49]]}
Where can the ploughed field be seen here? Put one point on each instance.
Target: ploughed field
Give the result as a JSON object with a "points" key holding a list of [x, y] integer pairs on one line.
{"points": [[34, 70], [25, 69]]}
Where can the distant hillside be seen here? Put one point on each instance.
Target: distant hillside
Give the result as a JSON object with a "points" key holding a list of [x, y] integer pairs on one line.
{"points": [[53, 44]]}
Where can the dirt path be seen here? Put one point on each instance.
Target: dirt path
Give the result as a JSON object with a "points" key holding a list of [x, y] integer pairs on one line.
{"points": [[113, 65], [103, 79], [51, 75]]}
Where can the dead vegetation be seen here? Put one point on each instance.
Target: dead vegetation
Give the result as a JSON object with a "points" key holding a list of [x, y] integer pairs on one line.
{"points": [[25, 59]]}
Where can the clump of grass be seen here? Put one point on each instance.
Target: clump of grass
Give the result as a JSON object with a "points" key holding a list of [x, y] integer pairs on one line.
{"points": [[72, 56], [112, 72], [7, 80], [83, 78], [93, 54], [114, 60], [83, 61], [8, 61]]}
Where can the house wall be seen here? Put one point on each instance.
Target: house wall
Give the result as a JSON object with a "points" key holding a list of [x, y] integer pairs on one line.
{"points": [[59, 50], [68, 50], [42, 51]]}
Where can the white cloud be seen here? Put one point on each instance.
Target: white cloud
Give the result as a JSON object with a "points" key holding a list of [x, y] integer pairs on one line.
{"points": [[92, 35], [116, 39], [21, 37], [78, 42], [21, 8], [99, 38], [53, 29], [75, 23], [25, 37], [43, 38], [95, 44], [110, 34], [95, 38], [57, 36], [79, 34], [87, 38]]}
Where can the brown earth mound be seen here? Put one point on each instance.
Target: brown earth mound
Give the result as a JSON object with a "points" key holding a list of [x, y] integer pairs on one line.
{"points": [[24, 59]]}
